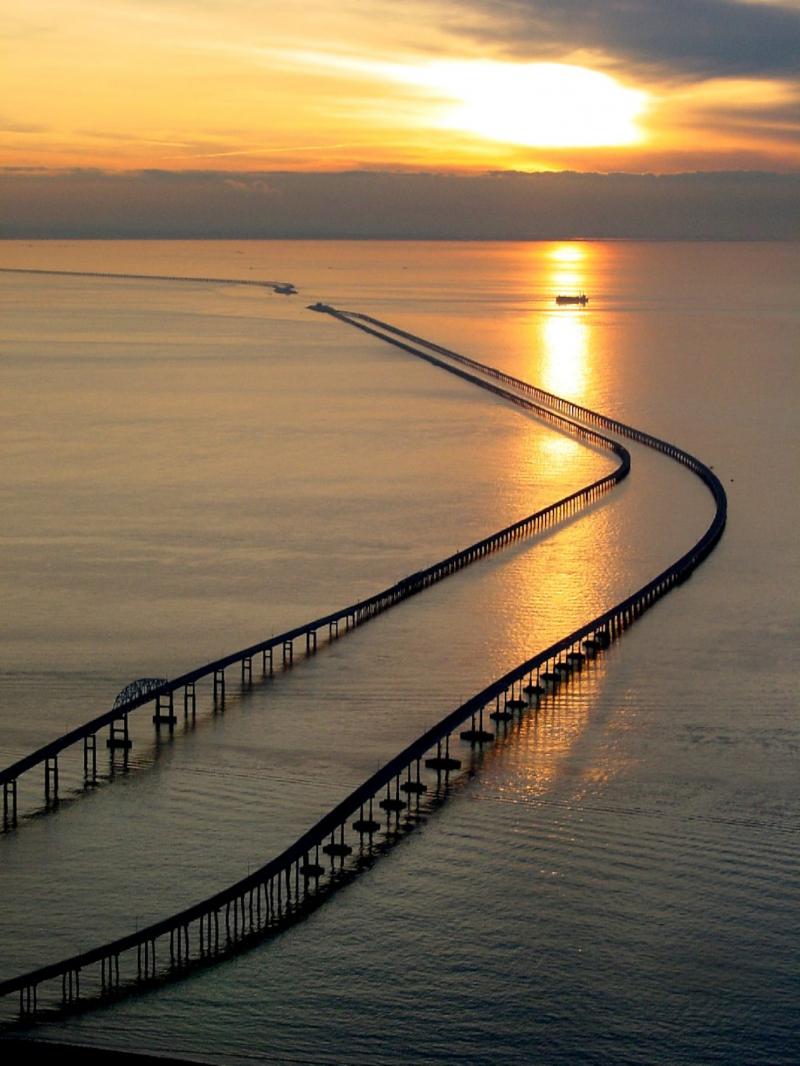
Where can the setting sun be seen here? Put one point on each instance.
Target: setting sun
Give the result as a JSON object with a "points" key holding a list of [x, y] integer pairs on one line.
{"points": [[549, 105]]}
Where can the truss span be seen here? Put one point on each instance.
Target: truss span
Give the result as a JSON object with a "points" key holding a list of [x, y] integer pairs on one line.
{"points": [[142, 687]]}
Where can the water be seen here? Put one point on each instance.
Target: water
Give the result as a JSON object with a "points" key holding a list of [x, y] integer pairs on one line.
{"points": [[195, 467]]}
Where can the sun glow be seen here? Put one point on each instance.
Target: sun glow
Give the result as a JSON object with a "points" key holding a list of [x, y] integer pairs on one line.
{"points": [[542, 104], [567, 253]]}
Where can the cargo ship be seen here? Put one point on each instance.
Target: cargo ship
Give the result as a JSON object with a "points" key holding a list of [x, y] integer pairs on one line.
{"points": [[582, 300]]}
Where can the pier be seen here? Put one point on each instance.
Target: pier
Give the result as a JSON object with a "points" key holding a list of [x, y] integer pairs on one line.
{"points": [[390, 802]]}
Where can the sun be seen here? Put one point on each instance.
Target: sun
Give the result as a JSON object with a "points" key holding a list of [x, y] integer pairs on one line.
{"points": [[548, 105]]}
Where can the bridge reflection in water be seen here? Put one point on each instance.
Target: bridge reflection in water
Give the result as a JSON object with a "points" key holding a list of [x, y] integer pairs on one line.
{"points": [[394, 799]]}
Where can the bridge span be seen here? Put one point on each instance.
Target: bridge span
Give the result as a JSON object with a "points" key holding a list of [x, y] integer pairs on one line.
{"points": [[387, 805]]}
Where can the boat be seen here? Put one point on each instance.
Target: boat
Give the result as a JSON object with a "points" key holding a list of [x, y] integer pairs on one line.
{"points": [[582, 300]]}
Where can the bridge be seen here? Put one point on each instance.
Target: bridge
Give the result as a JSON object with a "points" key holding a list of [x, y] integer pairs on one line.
{"points": [[389, 803]]}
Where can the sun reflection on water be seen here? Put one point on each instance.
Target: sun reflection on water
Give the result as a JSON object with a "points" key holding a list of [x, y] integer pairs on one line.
{"points": [[567, 253], [565, 579], [562, 336], [565, 353]]}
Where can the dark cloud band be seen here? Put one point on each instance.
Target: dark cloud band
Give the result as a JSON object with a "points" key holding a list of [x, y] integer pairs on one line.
{"points": [[706, 38], [506, 206]]}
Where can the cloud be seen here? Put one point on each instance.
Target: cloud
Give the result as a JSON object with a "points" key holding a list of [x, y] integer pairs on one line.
{"points": [[9, 126], [671, 38], [381, 204]]}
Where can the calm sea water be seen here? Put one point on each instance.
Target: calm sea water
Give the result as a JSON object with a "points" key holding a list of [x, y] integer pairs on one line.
{"points": [[190, 468]]}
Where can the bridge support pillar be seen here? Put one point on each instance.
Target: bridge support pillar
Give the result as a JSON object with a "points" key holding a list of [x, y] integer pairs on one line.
{"points": [[500, 714], [165, 711], [146, 959], [412, 786], [476, 734], [219, 686], [288, 653], [189, 700], [106, 973], [442, 762], [392, 804], [90, 759], [51, 777], [311, 641], [365, 824], [247, 670], [267, 667], [28, 1000], [9, 803], [118, 734], [70, 986]]}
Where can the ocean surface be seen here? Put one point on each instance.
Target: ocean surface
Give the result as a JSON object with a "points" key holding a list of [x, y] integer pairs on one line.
{"points": [[191, 467]]}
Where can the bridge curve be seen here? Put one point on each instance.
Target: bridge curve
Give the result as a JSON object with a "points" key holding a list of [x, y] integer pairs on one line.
{"points": [[292, 883]]}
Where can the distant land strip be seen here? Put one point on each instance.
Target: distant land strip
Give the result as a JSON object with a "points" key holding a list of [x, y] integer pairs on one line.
{"points": [[294, 883]]}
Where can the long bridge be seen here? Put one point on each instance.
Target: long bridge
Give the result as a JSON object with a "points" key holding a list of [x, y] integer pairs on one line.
{"points": [[388, 804]]}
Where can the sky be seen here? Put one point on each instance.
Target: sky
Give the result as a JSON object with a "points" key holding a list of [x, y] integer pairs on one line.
{"points": [[452, 87]]}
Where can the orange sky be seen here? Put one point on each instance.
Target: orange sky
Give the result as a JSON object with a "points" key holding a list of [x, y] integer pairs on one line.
{"points": [[256, 84]]}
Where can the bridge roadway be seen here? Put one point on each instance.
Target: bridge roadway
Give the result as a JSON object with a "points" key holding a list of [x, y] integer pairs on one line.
{"points": [[353, 833], [285, 288], [163, 695]]}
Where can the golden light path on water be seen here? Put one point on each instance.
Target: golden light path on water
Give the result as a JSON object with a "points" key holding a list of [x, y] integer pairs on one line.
{"points": [[551, 586], [562, 340], [562, 336]]}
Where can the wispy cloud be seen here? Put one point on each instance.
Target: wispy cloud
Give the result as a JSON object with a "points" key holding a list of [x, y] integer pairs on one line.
{"points": [[397, 83]]}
